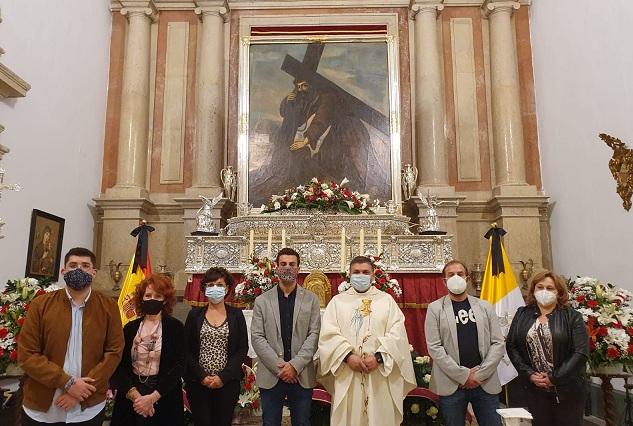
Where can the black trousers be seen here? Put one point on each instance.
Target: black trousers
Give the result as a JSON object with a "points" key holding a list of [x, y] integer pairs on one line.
{"points": [[547, 411], [95, 421], [213, 407]]}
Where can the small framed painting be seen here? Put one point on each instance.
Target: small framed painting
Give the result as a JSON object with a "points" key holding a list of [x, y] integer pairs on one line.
{"points": [[45, 246]]}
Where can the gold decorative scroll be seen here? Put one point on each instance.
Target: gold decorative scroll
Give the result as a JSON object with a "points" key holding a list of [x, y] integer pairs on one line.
{"points": [[621, 166]]}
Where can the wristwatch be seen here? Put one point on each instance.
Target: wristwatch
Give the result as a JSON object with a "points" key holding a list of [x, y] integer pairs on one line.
{"points": [[378, 357]]}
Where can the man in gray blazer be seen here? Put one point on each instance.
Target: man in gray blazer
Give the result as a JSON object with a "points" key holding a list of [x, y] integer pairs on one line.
{"points": [[285, 334], [465, 342]]}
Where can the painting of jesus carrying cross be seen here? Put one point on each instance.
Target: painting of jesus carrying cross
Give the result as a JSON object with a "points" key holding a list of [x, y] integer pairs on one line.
{"points": [[318, 109]]}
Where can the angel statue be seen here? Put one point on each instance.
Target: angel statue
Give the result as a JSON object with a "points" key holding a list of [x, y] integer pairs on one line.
{"points": [[204, 216], [430, 224], [229, 181], [409, 179]]}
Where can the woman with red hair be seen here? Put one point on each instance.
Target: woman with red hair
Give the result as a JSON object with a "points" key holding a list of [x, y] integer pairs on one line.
{"points": [[548, 345], [149, 378]]}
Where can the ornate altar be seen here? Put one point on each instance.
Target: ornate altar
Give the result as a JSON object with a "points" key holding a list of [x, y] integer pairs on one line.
{"points": [[326, 242]]}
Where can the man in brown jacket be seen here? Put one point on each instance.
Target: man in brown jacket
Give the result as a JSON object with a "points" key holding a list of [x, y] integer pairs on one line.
{"points": [[69, 346]]}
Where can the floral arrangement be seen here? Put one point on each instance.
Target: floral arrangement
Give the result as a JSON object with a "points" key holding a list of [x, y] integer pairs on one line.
{"points": [[249, 392], [420, 411], [320, 195], [259, 277], [608, 313], [382, 280], [14, 304], [422, 368]]}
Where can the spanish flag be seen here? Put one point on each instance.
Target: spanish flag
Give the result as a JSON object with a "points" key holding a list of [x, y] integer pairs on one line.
{"points": [[499, 287], [140, 268]]}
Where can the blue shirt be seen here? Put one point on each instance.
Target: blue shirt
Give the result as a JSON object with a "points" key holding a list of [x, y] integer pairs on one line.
{"points": [[72, 367]]}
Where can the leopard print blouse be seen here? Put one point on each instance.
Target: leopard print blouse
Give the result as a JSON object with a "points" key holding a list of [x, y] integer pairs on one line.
{"points": [[213, 347]]}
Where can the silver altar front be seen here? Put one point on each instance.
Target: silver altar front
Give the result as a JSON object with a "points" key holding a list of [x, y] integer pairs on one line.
{"points": [[317, 238]]}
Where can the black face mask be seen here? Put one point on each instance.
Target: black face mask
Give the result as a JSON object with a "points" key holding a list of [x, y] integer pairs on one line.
{"points": [[152, 306]]}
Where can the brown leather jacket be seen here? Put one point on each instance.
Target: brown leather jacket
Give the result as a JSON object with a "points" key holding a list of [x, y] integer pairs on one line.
{"points": [[44, 337]]}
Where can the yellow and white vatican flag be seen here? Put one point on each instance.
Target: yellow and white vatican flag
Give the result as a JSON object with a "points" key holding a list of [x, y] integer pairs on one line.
{"points": [[499, 287], [140, 267]]}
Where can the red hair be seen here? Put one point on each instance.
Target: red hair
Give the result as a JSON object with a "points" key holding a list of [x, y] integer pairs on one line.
{"points": [[161, 285]]}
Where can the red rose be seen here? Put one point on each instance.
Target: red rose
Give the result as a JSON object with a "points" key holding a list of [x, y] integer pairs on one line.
{"points": [[20, 321], [592, 345], [378, 272], [40, 292], [630, 349], [580, 299], [13, 356], [256, 404], [617, 324], [629, 331], [266, 272], [274, 280], [248, 386], [602, 331], [257, 291], [613, 352], [1, 351], [3, 332], [592, 303], [591, 320], [382, 280]]}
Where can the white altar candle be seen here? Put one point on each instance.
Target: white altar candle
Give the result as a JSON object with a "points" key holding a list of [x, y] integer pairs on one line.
{"points": [[270, 242], [343, 257], [378, 241], [361, 241], [283, 237], [251, 242]]}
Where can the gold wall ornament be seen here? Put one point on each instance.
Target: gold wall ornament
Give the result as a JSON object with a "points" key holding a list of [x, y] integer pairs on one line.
{"points": [[318, 283], [621, 166]]}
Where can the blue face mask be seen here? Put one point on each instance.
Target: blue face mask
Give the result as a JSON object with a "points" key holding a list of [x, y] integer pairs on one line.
{"points": [[215, 294], [360, 282], [77, 279]]}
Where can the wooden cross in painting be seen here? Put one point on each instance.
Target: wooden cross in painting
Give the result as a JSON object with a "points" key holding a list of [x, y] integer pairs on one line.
{"points": [[308, 70]]}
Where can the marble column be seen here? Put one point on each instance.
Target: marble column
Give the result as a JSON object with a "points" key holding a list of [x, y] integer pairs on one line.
{"points": [[208, 158], [134, 122], [507, 125], [431, 156]]}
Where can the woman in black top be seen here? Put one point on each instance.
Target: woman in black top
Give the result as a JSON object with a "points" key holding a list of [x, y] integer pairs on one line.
{"points": [[217, 344], [549, 346], [149, 378]]}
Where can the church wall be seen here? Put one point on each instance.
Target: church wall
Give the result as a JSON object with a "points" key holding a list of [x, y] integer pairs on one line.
{"points": [[582, 70], [56, 133]]}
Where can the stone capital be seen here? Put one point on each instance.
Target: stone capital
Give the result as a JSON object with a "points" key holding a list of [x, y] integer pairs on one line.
{"points": [[426, 6], [212, 8], [143, 8], [490, 7]]}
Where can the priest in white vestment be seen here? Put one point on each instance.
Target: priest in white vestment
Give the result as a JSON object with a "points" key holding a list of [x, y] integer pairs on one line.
{"points": [[364, 358]]}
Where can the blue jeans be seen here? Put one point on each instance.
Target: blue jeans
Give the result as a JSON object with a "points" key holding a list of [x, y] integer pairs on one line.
{"points": [[299, 402], [453, 407]]}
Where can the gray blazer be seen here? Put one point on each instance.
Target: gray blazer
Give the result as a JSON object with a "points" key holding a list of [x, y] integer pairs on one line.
{"points": [[266, 337], [441, 341]]}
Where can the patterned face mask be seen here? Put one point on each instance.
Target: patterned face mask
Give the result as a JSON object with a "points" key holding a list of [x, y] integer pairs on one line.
{"points": [[77, 279], [287, 273]]}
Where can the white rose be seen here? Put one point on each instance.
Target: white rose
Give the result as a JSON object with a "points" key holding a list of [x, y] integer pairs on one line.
{"points": [[329, 193], [350, 204], [277, 205], [427, 378], [324, 186], [262, 208], [314, 180]]}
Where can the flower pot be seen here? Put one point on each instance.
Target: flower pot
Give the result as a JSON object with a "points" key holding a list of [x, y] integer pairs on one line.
{"points": [[615, 369]]}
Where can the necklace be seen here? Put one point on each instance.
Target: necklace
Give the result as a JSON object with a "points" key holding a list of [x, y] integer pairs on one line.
{"points": [[149, 346]]}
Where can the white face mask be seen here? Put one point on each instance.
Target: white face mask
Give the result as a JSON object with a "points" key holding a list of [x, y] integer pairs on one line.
{"points": [[456, 284], [360, 282], [545, 297]]}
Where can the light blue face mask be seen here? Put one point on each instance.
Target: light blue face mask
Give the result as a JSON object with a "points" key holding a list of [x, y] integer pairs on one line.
{"points": [[360, 282], [215, 293]]}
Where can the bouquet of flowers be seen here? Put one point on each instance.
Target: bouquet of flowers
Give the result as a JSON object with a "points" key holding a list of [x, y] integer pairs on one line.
{"points": [[14, 303], [249, 392], [382, 280], [422, 368], [608, 313], [259, 277], [321, 195]]}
